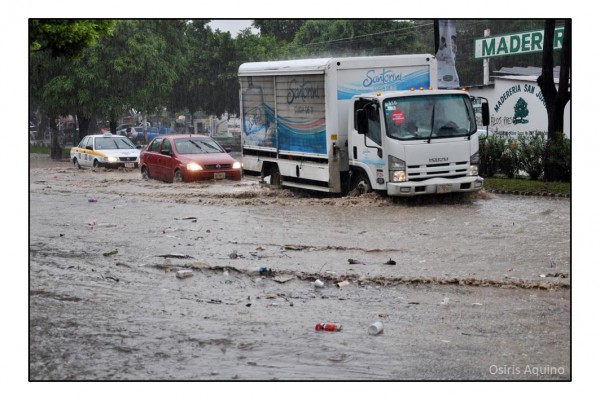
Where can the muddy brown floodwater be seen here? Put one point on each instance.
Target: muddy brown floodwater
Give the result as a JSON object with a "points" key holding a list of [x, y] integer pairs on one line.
{"points": [[467, 288]]}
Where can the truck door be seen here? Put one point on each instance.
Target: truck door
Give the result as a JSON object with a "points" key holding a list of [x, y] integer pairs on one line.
{"points": [[366, 149]]}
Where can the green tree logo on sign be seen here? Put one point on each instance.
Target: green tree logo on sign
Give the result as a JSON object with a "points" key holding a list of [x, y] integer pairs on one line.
{"points": [[521, 112]]}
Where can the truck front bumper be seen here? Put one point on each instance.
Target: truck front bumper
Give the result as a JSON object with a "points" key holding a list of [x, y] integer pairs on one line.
{"points": [[435, 185]]}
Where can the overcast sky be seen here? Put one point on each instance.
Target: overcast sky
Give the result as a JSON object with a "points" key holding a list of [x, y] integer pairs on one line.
{"points": [[232, 25]]}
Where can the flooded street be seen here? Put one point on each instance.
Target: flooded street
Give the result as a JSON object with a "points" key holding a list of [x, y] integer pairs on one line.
{"points": [[472, 288]]}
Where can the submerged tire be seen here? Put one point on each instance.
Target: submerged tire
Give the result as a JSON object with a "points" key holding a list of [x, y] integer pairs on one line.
{"points": [[177, 176], [275, 176], [361, 184], [145, 173], [76, 163]]}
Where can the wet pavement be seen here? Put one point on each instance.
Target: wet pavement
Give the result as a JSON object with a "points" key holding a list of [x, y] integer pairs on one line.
{"points": [[468, 288]]}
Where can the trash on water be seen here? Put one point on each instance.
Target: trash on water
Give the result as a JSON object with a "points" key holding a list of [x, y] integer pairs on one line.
{"points": [[110, 253], [184, 273], [92, 200], [375, 328], [445, 302], [265, 271], [319, 283], [92, 224], [328, 326], [353, 261], [174, 255], [390, 262], [343, 283]]}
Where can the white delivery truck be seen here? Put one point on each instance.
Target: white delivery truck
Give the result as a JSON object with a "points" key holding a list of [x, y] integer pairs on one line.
{"points": [[358, 123]]}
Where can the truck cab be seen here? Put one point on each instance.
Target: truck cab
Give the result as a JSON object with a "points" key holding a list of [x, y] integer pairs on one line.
{"points": [[414, 142]]}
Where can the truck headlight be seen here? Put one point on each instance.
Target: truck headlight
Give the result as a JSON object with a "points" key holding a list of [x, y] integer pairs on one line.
{"points": [[474, 167], [397, 169]]}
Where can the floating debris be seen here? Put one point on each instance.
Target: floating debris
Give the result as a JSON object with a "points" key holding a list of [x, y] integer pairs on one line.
{"points": [[174, 255], [184, 273]]}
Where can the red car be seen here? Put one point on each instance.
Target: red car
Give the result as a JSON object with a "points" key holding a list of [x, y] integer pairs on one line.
{"points": [[187, 158]]}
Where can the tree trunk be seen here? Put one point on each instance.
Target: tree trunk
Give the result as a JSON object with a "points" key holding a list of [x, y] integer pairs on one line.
{"points": [[556, 100], [55, 149], [84, 127], [113, 127]]}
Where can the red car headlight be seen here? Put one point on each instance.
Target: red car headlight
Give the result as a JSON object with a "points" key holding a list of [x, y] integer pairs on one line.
{"points": [[194, 167]]}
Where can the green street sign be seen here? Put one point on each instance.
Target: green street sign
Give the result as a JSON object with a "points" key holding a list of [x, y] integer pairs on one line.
{"points": [[515, 43]]}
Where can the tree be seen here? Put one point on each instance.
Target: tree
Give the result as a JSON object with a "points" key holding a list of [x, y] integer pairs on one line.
{"points": [[340, 37], [281, 29], [66, 37], [556, 100], [53, 46]]}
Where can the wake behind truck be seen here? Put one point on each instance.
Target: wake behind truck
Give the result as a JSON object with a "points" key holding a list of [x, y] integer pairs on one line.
{"points": [[358, 123]]}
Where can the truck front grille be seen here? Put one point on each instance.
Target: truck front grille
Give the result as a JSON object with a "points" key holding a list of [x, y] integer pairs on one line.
{"points": [[442, 170]]}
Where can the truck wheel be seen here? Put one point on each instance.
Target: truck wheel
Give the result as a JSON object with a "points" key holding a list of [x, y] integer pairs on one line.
{"points": [[361, 184], [275, 176]]}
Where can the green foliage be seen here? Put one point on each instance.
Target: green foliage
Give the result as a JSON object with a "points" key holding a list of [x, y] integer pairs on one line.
{"points": [[558, 153], [531, 149], [66, 37], [491, 149], [526, 153], [357, 37], [526, 185], [280, 29], [509, 160]]}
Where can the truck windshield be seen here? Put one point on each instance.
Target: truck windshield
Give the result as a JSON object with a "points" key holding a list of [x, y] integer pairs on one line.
{"points": [[423, 117]]}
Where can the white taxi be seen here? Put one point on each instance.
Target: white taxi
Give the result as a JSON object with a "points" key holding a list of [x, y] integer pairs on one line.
{"points": [[105, 150]]}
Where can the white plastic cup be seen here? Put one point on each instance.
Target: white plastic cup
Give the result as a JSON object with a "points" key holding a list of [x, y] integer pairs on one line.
{"points": [[319, 283], [376, 328]]}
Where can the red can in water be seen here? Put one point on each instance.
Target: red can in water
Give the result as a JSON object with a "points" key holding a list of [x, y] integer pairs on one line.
{"points": [[328, 326]]}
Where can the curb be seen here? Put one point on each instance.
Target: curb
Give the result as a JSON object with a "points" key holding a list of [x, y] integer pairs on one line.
{"points": [[523, 193]]}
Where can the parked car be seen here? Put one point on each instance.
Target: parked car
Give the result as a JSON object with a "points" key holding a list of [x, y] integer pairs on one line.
{"points": [[187, 158], [106, 150]]}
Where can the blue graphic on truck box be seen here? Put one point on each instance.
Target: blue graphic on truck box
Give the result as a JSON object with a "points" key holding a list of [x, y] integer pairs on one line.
{"points": [[298, 125], [383, 79], [306, 135]]}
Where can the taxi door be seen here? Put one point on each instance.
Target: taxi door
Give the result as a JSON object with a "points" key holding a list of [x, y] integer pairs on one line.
{"points": [[83, 157]]}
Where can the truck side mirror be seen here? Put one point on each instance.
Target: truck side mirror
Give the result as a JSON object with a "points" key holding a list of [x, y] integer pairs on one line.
{"points": [[485, 113], [362, 125]]}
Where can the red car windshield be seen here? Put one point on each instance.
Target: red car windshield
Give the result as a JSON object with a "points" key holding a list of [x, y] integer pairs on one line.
{"points": [[197, 146]]}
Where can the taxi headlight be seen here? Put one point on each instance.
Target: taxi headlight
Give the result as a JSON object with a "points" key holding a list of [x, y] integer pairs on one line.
{"points": [[194, 167], [112, 159], [237, 165]]}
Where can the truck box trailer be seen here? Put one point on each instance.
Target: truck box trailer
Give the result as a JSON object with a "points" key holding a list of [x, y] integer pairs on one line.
{"points": [[358, 123]]}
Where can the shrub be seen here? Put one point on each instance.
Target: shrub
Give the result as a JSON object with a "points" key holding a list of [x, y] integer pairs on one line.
{"points": [[509, 160], [490, 151], [558, 153], [531, 153]]}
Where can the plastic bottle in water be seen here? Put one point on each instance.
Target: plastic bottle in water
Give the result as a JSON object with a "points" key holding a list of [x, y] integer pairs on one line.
{"points": [[328, 326]]}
